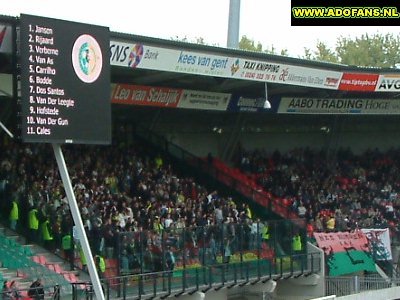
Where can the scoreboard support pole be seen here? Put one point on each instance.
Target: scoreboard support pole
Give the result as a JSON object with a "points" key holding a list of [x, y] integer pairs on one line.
{"points": [[94, 277], [6, 130]]}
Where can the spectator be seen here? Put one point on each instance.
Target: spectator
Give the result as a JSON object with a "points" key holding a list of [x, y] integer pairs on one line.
{"points": [[255, 234], [301, 210], [170, 259], [36, 290], [330, 223], [6, 291], [15, 294], [227, 250], [122, 190]]}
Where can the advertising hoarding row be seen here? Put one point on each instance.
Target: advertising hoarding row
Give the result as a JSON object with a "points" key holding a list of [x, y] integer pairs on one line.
{"points": [[168, 97], [202, 100], [142, 56]]}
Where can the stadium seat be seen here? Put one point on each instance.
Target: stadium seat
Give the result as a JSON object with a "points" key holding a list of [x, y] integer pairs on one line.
{"points": [[58, 269], [24, 295], [51, 267], [27, 251], [70, 277], [42, 259], [73, 277]]}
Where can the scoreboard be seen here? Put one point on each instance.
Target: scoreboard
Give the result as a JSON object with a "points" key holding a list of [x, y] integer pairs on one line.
{"points": [[65, 82]]}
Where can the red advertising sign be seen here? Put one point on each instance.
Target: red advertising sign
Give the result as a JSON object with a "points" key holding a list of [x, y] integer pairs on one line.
{"points": [[358, 82], [335, 242], [145, 95]]}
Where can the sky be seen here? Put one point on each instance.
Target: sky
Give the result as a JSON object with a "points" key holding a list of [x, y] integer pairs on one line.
{"points": [[263, 21]]}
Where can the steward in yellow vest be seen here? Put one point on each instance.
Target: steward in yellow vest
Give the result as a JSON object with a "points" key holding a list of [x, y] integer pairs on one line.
{"points": [[14, 215], [101, 265], [83, 258], [265, 233], [47, 235], [296, 243], [33, 223], [67, 246]]}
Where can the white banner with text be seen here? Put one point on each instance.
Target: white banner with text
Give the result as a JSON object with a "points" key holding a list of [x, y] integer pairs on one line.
{"points": [[137, 55], [294, 105]]}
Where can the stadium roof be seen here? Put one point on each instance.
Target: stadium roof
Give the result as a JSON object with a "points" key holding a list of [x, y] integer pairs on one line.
{"points": [[247, 87]]}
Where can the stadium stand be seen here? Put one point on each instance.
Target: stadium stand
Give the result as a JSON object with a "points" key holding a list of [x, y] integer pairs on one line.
{"points": [[125, 190], [130, 193], [358, 191]]}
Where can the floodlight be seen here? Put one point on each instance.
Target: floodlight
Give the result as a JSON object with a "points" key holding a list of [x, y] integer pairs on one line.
{"points": [[267, 104]]}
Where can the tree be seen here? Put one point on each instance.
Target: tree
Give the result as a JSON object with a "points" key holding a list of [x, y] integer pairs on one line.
{"points": [[325, 54], [284, 52], [245, 43], [307, 54], [376, 51], [322, 53], [248, 44], [197, 40], [367, 51]]}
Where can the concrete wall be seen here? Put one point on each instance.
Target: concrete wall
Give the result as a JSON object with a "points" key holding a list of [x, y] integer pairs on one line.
{"points": [[202, 143], [384, 294], [265, 291], [194, 131], [199, 144], [302, 288]]}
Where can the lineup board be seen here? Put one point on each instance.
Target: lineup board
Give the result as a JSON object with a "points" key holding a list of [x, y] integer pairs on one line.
{"points": [[65, 82]]}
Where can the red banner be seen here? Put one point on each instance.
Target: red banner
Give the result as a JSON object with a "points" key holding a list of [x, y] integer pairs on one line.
{"points": [[335, 242], [358, 82], [145, 95]]}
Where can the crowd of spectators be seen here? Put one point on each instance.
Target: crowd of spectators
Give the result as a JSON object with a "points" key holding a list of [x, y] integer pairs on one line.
{"points": [[127, 188], [118, 188], [348, 192]]}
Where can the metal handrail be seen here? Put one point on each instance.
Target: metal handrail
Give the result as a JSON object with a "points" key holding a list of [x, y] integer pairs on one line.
{"points": [[139, 286]]}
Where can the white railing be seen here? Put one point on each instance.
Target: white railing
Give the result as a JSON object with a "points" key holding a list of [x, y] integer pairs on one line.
{"points": [[342, 286]]}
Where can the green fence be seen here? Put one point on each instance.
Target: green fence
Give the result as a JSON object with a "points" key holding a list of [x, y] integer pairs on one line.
{"points": [[183, 260], [202, 278]]}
